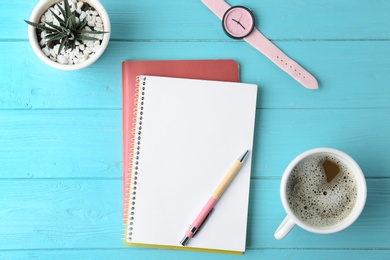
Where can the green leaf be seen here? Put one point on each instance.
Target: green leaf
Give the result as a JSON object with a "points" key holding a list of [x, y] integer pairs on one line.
{"points": [[68, 12], [73, 22], [54, 37], [51, 35], [69, 22], [73, 44], [62, 43], [58, 28], [85, 38], [93, 32], [81, 25], [37, 25], [62, 22], [62, 12]]}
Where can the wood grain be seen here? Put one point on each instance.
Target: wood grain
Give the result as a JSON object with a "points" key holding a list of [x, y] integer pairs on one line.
{"points": [[140, 253], [348, 77], [188, 20], [88, 143], [86, 213], [61, 132], [61, 143]]}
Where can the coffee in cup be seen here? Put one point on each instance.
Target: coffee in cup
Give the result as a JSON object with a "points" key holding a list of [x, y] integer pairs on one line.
{"points": [[323, 190], [315, 200]]}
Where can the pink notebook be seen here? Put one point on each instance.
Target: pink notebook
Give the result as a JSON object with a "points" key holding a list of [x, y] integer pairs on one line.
{"points": [[221, 70]]}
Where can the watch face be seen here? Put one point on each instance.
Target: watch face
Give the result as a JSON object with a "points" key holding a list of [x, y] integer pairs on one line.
{"points": [[238, 22]]}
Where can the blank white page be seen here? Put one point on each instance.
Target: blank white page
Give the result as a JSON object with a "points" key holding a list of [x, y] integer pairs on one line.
{"points": [[192, 132]]}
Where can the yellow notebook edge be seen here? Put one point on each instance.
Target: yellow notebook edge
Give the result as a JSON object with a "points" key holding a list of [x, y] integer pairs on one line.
{"points": [[195, 249], [185, 248]]}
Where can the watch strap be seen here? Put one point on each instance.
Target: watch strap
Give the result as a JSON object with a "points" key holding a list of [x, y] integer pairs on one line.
{"points": [[265, 46], [271, 51], [219, 7]]}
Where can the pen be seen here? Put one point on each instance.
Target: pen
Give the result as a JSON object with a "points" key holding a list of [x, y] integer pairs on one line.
{"points": [[205, 212]]}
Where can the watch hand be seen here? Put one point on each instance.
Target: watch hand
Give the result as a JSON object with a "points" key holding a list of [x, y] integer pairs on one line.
{"points": [[238, 22], [241, 25]]}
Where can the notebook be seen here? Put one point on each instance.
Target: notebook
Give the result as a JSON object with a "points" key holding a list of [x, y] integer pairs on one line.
{"points": [[188, 133], [224, 70]]}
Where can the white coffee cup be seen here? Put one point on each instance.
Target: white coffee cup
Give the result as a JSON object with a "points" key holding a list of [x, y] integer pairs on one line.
{"points": [[291, 219]]}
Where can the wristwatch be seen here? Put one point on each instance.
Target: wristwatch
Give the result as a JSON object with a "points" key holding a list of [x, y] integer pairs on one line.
{"points": [[238, 22]]}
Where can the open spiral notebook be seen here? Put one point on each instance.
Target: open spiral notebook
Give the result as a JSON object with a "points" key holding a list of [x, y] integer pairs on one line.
{"points": [[187, 134]]}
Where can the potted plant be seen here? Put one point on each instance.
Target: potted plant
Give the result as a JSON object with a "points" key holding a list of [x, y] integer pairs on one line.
{"points": [[69, 34]]}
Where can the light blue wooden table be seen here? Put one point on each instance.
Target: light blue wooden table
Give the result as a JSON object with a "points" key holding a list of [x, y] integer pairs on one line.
{"points": [[61, 132]]}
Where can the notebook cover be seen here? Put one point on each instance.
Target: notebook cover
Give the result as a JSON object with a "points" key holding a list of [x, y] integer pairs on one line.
{"points": [[222, 70]]}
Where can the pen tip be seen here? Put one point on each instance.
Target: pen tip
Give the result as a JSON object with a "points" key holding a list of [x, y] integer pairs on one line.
{"points": [[184, 241], [243, 156]]}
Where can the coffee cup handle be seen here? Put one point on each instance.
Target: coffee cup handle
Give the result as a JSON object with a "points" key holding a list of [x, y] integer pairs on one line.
{"points": [[284, 228]]}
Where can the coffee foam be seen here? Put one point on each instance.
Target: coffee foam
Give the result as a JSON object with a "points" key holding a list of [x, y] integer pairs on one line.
{"points": [[315, 201]]}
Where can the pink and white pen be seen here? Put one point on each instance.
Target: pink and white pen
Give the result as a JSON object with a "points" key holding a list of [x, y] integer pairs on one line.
{"points": [[205, 212]]}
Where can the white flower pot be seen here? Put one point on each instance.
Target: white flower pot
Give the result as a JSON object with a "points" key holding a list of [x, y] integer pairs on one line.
{"points": [[41, 8]]}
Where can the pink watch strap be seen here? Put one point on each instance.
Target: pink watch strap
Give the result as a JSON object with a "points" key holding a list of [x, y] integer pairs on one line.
{"points": [[219, 7], [265, 46]]}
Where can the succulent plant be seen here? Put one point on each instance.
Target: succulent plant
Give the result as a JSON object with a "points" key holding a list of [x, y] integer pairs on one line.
{"points": [[69, 30]]}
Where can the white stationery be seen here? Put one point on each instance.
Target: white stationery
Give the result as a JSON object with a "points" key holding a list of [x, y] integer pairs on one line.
{"points": [[187, 134]]}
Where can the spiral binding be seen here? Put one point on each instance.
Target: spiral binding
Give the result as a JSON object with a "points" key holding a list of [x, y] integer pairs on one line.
{"points": [[135, 152]]}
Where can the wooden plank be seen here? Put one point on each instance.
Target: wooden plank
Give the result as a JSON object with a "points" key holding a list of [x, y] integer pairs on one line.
{"points": [[60, 214], [348, 76], [135, 253], [88, 143], [281, 135], [87, 214], [62, 143], [189, 20]]}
